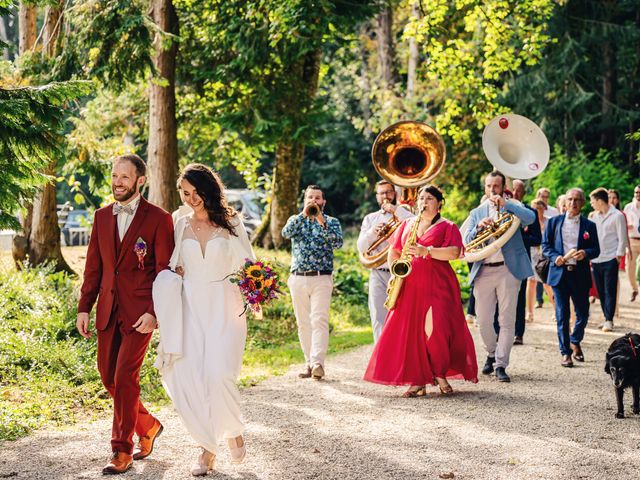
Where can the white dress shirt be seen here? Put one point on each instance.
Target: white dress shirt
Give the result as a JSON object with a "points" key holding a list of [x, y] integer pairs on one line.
{"points": [[632, 211], [496, 257], [124, 219], [570, 232], [367, 231], [612, 234]]}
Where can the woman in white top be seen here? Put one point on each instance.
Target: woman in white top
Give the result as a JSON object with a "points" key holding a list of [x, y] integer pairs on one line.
{"points": [[202, 342]]}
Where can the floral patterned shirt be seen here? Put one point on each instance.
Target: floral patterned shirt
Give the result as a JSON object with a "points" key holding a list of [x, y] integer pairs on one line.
{"points": [[312, 244]]}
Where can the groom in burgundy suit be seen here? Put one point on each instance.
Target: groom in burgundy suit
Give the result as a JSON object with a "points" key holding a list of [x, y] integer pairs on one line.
{"points": [[131, 242]]}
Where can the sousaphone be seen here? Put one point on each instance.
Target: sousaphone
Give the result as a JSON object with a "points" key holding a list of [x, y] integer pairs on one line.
{"points": [[519, 149], [407, 154]]}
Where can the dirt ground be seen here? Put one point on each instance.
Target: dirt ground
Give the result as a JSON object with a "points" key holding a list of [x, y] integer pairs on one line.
{"points": [[549, 423]]}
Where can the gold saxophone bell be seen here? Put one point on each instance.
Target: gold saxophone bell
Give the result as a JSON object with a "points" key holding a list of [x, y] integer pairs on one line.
{"points": [[401, 267], [407, 154]]}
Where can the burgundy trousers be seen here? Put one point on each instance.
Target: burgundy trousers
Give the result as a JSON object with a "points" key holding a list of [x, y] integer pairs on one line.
{"points": [[121, 351]]}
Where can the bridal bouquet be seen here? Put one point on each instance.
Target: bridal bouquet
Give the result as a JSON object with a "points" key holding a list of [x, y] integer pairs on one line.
{"points": [[258, 283]]}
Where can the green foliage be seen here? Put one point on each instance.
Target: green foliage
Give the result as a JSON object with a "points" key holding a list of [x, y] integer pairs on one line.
{"points": [[585, 93], [584, 171], [472, 46], [109, 40], [31, 123]]}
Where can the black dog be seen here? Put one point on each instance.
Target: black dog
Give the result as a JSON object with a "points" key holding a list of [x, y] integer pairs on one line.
{"points": [[623, 364]]}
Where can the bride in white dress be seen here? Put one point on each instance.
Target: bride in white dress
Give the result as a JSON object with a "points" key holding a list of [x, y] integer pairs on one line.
{"points": [[200, 359]]}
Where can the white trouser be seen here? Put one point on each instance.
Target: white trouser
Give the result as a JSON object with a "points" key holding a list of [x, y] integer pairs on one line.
{"points": [[491, 285], [632, 272], [311, 298], [378, 281]]}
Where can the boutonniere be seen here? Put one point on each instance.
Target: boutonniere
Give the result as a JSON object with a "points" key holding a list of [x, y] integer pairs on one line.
{"points": [[585, 235], [140, 249]]}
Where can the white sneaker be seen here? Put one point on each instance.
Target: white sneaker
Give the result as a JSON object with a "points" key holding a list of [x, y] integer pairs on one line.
{"points": [[470, 319], [608, 326]]}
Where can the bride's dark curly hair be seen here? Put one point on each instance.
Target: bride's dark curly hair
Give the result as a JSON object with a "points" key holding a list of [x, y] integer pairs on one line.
{"points": [[211, 189]]}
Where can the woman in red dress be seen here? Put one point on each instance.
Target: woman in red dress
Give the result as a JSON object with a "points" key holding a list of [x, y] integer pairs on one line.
{"points": [[425, 339]]}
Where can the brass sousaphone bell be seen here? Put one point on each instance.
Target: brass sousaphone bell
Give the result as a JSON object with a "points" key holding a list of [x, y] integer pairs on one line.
{"points": [[518, 148], [407, 154]]}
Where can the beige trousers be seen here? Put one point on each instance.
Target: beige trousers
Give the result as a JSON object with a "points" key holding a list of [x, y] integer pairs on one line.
{"points": [[632, 269], [311, 298]]}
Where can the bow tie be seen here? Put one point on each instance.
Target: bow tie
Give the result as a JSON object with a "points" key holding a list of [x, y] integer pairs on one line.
{"points": [[117, 209]]}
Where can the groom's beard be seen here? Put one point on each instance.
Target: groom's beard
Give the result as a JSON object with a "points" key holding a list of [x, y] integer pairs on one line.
{"points": [[126, 195]]}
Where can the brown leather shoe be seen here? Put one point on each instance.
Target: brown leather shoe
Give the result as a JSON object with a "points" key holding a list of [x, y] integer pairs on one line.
{"points": [[566, 361], [119, 463], [145, 443], [306, 373], [577, 352]]}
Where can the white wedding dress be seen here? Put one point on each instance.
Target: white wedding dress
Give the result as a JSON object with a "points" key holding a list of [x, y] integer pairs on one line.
{"points": [[201, 379]]}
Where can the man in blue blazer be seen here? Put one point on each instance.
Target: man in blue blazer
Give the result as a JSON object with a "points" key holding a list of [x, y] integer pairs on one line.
{"points": [[497, 278], [569, 242]]}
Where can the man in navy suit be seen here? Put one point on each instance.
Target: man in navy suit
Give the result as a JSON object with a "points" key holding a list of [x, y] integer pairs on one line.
{"points": [[497, 278], [569, 274]]}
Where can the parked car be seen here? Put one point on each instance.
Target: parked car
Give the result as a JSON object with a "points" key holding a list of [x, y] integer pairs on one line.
{"points": [[75, 229], [250, 204]]}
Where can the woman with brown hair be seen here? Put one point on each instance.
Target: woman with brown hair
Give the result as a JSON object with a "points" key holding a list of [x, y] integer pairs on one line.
{"points": [[425, 339], [200, 371]]}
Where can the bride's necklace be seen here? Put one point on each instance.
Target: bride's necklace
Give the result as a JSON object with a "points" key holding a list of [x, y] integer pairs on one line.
{"points": [[197, 228]]}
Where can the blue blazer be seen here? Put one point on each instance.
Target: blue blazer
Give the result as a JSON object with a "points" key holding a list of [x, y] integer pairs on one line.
{"points": [[514, 251], [552, 248], [531, 234]]}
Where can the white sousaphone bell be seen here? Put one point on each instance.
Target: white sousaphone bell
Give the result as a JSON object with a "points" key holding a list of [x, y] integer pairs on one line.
{"points": [[519, 149]]}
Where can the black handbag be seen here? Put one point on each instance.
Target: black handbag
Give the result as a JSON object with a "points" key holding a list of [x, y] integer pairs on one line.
{"points": [[542, 268]]}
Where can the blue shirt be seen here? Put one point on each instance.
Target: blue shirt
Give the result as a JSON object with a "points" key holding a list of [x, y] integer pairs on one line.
{"points": [[312, 244]]}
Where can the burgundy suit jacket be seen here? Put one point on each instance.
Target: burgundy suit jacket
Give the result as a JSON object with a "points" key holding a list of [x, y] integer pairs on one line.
{"points": [[115, 279]]}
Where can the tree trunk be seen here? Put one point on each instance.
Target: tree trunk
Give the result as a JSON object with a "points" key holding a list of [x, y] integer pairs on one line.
{"points": [[386, 52], [289, 156], [44, 238], [414, 57], [52, 26], [365, 84], [4, 36], [607, 137], [26, 27], [163, 142], [44, 242], [286, 186], [26, 41]]}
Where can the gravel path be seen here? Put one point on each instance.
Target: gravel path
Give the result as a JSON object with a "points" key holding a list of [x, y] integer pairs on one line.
{"points": [[549, 423]]}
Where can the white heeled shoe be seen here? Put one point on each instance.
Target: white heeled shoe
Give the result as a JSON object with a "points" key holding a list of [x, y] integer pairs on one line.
{"points": [[206, 463], [237, 448]]}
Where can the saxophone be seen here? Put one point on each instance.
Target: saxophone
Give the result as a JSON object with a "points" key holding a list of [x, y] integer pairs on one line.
{"points": [[401, 267]]}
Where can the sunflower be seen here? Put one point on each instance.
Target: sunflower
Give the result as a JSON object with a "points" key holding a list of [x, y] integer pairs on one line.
{"points": [[254, 271], [258, 284]]}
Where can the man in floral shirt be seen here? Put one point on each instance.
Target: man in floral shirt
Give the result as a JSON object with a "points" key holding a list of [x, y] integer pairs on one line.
{"points": [[313, 236]]}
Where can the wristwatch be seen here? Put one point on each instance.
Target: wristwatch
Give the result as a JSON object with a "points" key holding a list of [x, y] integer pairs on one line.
{"points": [[429, 248]]}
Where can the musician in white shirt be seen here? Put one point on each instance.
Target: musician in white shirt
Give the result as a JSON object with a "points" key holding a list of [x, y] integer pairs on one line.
{"points": [[632, 211], [612, 235], [372, 225]]}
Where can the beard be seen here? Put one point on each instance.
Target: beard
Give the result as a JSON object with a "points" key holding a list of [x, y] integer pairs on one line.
{"points": [[124, 196]]}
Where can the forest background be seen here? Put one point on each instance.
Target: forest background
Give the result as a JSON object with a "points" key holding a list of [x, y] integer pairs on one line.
{"points": [[277, 94]]}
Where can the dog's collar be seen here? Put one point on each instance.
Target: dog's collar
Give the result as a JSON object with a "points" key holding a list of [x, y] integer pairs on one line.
{"points": [[633, 347]]}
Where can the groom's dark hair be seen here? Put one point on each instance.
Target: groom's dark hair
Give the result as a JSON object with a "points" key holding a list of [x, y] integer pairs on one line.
{"points": [[141, 167]]}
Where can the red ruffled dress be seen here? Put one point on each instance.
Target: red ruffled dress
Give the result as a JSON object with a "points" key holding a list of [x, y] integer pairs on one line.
{"points": [[404, 355]]}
